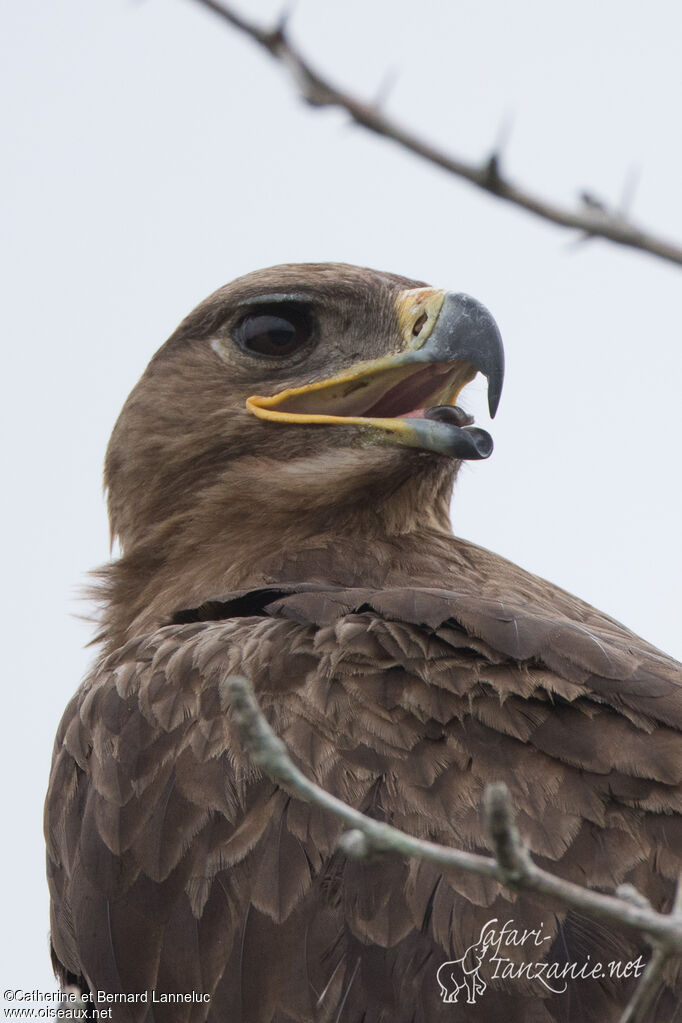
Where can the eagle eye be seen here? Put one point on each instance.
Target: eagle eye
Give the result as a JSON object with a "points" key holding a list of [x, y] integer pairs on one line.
{"points": [[273, 333]]}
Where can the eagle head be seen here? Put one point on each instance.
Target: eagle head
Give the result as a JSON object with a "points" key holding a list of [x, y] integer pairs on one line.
{"points": [[295, 398]]}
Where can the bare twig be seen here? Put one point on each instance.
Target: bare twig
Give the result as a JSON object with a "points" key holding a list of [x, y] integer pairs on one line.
{"points": [[515, 862], [638, 1006], [514, 868], [270, 754], [594, 219], [646, 989]]}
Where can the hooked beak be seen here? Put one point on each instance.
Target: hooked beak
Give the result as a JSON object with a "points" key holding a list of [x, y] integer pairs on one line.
{"points": [[410, 397]]}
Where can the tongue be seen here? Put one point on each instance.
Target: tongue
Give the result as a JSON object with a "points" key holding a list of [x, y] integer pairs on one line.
{"points": [[452, 414], [418, 413]]}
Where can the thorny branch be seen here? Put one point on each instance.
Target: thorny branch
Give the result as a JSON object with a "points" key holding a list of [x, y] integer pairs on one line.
{"points": [[594, 220], [511, 865]]}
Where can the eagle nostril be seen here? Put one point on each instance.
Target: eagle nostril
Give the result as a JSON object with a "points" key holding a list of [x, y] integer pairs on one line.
{"points": [[418, 324]]}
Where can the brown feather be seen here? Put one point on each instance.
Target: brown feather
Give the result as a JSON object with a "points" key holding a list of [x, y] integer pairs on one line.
{"points": [[404, 668]]}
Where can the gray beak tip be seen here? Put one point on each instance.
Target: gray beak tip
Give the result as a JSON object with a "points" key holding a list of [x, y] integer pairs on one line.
{"points": [[466, 330]]}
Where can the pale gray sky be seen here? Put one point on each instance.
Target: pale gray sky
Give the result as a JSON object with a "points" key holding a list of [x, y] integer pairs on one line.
{"points": [[151, 155]]}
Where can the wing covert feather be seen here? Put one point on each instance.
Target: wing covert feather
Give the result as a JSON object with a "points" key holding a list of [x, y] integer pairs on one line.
{"points": [[404, 703]]}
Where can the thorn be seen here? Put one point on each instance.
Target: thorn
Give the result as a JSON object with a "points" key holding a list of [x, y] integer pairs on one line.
{"points": [[491, 171], [630, 186], [575, 243], [276, 38], [503, 134], [282, 23], [592, 202], [386, 87]]}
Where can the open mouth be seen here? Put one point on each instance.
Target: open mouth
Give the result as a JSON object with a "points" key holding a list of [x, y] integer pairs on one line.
{"points": [[383, 391], [392, 396], [409, 398]]}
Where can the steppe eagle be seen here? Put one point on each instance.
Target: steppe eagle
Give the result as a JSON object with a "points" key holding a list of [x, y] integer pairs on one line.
{"points": [[279, 481]]}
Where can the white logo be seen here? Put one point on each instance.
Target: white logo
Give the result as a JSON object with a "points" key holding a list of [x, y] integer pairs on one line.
{"points": [[463, 973], [487, 956]]}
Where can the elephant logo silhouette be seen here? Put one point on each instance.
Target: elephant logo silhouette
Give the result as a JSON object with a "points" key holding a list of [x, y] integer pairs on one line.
{"points": [[463, 974]]}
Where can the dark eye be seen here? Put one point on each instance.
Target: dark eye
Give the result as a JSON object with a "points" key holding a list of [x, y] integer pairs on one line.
{"points": [[273, 333]]}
